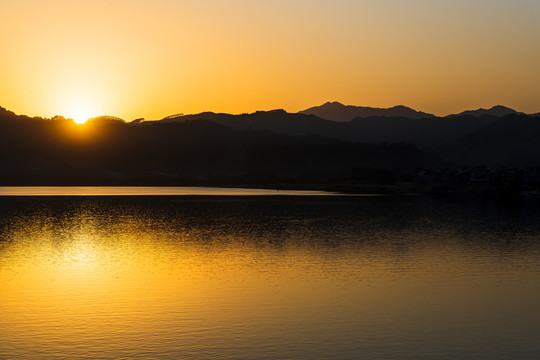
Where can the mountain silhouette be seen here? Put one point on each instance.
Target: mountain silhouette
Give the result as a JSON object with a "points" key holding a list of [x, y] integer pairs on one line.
{"points": [[510, 141], [278, 121], [424, 132], [338, 112], [497, 111], [109, 151], [265, 146]]}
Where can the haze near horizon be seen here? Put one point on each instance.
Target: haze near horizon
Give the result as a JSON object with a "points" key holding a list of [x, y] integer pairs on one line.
{"points": [[152, 59]]}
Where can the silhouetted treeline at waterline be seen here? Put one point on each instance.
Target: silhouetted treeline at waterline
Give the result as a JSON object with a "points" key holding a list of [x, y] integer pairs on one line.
{"points": [[274, 149]]}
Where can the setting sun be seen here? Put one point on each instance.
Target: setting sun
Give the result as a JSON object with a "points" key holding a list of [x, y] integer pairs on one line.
{"points": [[78, 101], [80, 117], [79, 111]]}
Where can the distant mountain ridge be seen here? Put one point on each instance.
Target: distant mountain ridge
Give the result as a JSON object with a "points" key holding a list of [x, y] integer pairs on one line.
{"points": [[336, 111], [497, 111], [509, 141], [477, 137], [423, 132], [496, 137], [38, 151]]}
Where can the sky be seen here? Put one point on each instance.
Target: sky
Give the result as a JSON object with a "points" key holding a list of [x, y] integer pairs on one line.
{"points": [[153, 58]]}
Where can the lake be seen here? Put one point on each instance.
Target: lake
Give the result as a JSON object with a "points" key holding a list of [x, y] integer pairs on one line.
{"points": [[268, 277]]}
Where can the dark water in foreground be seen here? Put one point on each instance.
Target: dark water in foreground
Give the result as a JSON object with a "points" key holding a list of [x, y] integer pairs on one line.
{"points": [[269, 278]]}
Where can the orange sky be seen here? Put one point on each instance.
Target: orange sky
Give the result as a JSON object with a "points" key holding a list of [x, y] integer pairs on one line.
{"points": [[150, 59]]}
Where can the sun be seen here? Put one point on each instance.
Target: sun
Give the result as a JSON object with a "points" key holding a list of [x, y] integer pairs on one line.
{"points": [[80, 116], [80, 102]]}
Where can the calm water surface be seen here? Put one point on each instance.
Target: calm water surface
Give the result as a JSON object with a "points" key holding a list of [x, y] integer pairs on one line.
{"points": [[210, 277]]}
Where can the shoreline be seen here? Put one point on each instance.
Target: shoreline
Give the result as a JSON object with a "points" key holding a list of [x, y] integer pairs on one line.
{"points": [[336, 189]]}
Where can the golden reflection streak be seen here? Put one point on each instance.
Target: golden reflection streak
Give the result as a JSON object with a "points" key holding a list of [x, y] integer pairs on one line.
{"points": [[75, 285]]}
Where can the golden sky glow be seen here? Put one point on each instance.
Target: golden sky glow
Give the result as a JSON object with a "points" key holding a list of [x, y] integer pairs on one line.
{"points": [[150, 59]]}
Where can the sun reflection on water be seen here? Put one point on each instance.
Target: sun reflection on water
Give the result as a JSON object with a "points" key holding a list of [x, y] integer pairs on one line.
{"points": [[127, 278]]}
